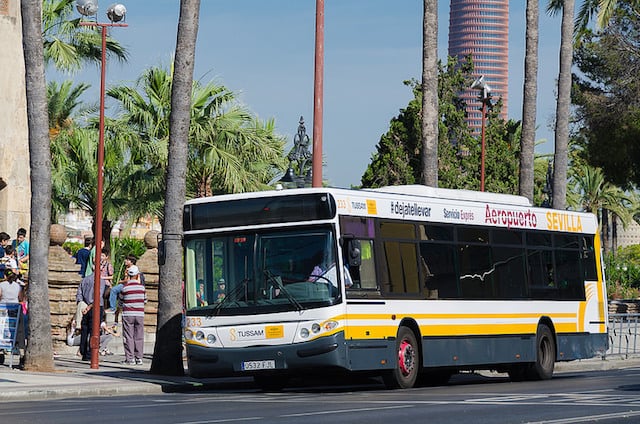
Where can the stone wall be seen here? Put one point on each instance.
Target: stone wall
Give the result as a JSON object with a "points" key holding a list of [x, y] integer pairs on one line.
{"points": [[15, 184], [63, 285]]}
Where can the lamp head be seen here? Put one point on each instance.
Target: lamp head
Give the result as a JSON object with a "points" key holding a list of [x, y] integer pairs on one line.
{"points": [[289, 176], [479, 84], [116, 12], [87, 7]]}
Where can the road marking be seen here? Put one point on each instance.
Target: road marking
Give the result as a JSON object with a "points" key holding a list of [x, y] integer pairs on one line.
{"points": [[229, 420], [589, 418], [25, 412], [591, 399], [342, 411]]}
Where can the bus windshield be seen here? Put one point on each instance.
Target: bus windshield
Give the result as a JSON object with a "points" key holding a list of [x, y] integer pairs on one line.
{"points": [[261, 272]]}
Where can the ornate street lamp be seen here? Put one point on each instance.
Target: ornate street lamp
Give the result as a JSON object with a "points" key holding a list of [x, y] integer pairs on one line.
{"points": [[301, 157], [485, 98], [115, 14]]}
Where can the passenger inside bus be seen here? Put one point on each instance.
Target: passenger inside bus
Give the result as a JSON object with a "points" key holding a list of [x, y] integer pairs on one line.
{"points": [[326, 273]]}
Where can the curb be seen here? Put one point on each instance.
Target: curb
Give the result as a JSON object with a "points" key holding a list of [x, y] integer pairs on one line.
{"points": [[61, 393]]}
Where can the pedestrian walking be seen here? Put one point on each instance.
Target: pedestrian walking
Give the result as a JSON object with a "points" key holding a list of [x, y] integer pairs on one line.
{"points": [[133, 294]]}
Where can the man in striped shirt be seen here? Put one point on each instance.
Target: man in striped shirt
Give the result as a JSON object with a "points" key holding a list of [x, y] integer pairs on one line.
{"points": [[133, 294]]}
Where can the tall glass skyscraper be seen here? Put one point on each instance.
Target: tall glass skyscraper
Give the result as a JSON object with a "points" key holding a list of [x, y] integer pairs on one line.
{"points": [[480, 28]]}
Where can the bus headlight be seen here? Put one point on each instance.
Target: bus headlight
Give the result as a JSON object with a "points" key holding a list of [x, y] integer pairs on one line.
{"points": [[188, 334], [199, 336], [304, 332], [315, 328], [211, 339]]}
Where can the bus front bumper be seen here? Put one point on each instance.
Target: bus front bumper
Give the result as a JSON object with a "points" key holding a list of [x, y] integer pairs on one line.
{"points": [[325, 352]]}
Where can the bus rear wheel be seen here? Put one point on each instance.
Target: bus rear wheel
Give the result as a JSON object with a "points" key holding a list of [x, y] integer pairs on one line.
{"points": [[542, 368], [407, 367]]}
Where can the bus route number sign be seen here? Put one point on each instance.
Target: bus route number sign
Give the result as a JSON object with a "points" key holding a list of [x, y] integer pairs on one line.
{"points": [[259, 365]]}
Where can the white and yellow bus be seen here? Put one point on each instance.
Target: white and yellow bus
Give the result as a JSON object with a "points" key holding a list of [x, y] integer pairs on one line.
{"points": [[402, 282]]}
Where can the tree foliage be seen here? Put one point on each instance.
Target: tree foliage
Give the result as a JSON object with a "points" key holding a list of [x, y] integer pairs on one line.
{"points": [[397, 157], [623, 272], [229, 149], [66, 44], [607, 96]]}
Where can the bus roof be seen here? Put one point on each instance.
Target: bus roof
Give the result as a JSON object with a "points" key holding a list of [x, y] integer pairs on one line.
{"points": [[407, 190], [445, 193], [415, 202]]}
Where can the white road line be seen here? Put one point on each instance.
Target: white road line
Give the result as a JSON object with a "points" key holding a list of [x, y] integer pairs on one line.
{"points": [[589, 418], [229, 420], [25, 412], [342, 411]]}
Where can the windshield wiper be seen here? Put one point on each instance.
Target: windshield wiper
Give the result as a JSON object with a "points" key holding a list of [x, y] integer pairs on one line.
{"points": [[233, 293], [275, 280]]}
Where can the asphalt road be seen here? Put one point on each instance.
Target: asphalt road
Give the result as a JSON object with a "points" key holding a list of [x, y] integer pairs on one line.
{"points": [[576, 397]]}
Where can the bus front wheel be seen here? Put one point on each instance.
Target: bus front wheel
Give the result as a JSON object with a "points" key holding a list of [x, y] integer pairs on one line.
{"points": [[407, 362]]}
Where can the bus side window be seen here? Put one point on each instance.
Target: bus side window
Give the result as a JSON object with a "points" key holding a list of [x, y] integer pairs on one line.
{"points": [[367, 266], [363, 270], [439, 270]]}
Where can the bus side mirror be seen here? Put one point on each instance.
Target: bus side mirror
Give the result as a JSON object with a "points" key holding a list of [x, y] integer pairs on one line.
{"points": [[355, 253]]}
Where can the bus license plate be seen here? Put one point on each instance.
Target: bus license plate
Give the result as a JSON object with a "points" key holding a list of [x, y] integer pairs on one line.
{"points": [[258, 365]]}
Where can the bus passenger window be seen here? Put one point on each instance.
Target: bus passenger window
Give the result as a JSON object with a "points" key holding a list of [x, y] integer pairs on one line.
{"points": [[367, 269], [476, 271]]}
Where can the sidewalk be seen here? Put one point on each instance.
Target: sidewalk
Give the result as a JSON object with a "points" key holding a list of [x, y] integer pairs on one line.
{"points": [[74, 378]]}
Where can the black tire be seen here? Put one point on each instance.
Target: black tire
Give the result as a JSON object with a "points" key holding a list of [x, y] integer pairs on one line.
{"points": [[407, 362], [1, 358], [271, 382], [542, 368]]}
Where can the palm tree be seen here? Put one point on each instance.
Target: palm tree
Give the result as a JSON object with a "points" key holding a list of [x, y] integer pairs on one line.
{"points": [[560, 161], [430, 94], [591, 193], [39, 354], [76, 178], [604, 10], [66, 44], [529, 96], [62, 101], [229, 150], [167, 358]]}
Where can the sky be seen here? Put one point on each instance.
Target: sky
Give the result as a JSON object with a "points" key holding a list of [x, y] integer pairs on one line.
{"points": [[264, 52]]}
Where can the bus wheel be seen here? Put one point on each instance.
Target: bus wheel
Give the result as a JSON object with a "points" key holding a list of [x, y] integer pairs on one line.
{"points": [[542, 368], [405, 373], [270, 382]]}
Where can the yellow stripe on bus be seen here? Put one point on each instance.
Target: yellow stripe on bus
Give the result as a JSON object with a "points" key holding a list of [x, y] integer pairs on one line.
{"points": [[398, 317], [602, 303], [453, 330]]}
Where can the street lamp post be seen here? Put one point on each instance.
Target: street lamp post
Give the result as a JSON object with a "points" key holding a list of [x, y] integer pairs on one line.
{"points": [[300, 155], [115, 13], [318, 96], [485, 98]]}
